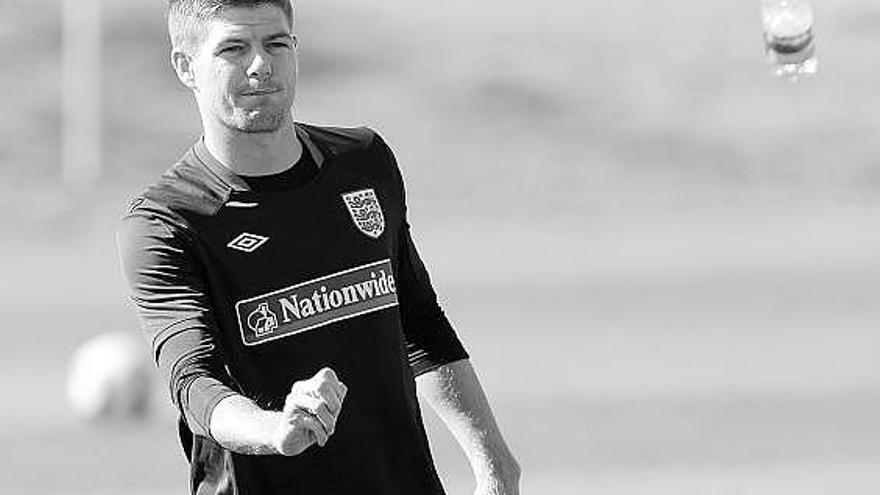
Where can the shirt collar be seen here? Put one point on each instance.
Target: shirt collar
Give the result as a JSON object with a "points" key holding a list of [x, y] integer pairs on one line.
{"points": [[230, 178]]}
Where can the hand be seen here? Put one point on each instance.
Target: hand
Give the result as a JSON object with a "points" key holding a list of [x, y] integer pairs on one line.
{"points": [[310, 413]]}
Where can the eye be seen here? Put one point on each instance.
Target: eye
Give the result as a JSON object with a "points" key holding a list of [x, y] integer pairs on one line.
{"points": [[231, 50], [280, 45]]}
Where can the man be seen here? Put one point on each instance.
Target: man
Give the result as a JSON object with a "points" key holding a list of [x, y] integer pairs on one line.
{"points": [[274, 273]]}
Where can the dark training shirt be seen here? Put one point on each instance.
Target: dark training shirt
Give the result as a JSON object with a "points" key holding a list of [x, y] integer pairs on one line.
{"points": [[296, 176], [248, 288]]}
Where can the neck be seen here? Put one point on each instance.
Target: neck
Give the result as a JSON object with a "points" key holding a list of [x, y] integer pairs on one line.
{"points": [[254, 153]]}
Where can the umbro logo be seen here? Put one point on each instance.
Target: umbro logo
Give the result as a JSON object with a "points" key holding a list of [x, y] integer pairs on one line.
{"points": [[247, 242]]}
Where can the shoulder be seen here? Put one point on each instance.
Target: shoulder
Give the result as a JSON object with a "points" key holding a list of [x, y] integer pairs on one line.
{"points": [[338, 141], [345, 141], [187, 188], [147, 223], [359, 149]]}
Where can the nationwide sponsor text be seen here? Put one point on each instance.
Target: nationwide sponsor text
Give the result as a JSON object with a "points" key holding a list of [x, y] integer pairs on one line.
{"points": [[316, 303]]}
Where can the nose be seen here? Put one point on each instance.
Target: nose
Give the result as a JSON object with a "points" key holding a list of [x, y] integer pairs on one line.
{"points": [[260, 67]]}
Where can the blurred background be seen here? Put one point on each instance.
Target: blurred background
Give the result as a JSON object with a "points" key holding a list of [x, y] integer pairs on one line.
{"points": [[664, 262]]}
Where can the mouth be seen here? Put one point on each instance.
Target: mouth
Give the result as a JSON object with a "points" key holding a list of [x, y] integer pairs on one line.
{"points": [[261, 91]]}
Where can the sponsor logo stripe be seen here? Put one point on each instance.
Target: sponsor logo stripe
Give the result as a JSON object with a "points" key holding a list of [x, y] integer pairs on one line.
{"points": [[311, 327], [375, 303]]}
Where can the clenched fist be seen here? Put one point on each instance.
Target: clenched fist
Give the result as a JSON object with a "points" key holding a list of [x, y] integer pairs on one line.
{"points": [[310, 413]]}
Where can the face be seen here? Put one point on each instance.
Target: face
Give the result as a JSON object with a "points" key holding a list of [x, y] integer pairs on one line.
{"points": [[244, 73]]}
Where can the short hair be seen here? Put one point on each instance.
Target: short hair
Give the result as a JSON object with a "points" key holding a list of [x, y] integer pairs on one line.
{"points": [[187, 18]]}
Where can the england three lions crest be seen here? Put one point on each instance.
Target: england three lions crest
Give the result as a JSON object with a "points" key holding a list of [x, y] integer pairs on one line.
{"points": [[366, 212]]}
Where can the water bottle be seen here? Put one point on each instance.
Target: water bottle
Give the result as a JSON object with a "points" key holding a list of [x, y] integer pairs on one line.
{"points": [[788, 38]]}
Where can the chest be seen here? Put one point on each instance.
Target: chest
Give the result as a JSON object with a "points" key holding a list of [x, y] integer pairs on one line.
{"points": [[286, 263], [338, 221]]}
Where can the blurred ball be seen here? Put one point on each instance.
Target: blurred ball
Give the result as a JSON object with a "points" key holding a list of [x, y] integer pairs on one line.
{"points": [[110, 378]]}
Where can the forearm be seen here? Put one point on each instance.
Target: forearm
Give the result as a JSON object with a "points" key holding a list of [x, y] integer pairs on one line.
{"points": [[454, 392], [239, 425], [311, 409]]}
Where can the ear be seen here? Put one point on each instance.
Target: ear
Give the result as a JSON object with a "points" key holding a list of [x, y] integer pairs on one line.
{"points": [[183, 66]]}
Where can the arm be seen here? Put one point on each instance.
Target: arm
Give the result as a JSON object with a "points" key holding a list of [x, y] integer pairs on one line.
{"points": [[241, 426], [444, 376], [454, 392], [309, 417], [168, 289]]}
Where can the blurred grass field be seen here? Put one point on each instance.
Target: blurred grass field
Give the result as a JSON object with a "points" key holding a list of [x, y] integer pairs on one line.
{"points": [[665, 263]]}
